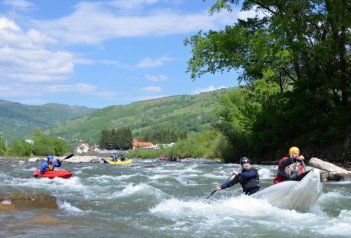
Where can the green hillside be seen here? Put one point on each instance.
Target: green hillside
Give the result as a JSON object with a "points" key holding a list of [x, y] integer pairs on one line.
{"points": [[18, 120], [180, 113]]}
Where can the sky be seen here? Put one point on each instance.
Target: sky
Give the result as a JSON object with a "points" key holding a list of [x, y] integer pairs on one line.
{"points": [[103, 53]]}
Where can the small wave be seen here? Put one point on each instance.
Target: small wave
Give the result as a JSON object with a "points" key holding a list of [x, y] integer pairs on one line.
{"points": [[68, 207], [6, 202], [265, 173], [230, 208], [142, 188], [339, 226]]}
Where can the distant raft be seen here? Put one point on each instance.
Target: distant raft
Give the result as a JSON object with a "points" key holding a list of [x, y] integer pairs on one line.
{"points": [[298, 195], [53, 174], [118, 162]]}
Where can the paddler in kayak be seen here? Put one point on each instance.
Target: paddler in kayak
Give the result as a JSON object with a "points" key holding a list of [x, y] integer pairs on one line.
{"points": [[114, 157], [49, 165], [291, 167], [248, 178]]}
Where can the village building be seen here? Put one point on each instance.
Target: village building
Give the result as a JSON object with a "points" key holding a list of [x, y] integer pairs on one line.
{"points": [[143, 144], [82, 148]]}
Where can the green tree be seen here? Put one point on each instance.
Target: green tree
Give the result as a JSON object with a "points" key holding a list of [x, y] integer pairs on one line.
{"points": [[44, 145], [104, 138], [20, 148], [295, 59], [125, 138], [2, 145]]}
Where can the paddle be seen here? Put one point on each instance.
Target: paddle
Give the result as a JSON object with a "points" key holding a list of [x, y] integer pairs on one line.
{"points": [[303, 165], [67, 157], [229, 178]]}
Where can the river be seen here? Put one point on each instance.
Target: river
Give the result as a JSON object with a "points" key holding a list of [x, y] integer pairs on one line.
{"points": [[164, 199]]}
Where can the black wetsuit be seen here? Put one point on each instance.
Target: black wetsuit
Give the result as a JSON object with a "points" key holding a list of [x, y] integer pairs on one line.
{"points": [[248, 179]]}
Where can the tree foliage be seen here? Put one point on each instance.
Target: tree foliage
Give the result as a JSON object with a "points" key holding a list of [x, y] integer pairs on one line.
{"points": [[2, 145], [161, 135], [295, 63], [20, 148], [120, 139], [44, 145]]}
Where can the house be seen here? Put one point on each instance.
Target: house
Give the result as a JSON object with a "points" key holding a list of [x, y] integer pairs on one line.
{"points": [[95, 148], [143, 144], [81, 148]]}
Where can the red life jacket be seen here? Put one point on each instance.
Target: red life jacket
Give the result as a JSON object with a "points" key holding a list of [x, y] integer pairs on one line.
{"points": [[281, 178]]}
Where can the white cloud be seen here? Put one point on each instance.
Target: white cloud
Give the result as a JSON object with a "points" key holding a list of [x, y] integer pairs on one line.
{"points": [[156, 78], [19, 4], [95, 22], [24, 56], [208, 89], [151, 89], [244, 15], [131, 4], [82, 60], [79, 87], [151, 63]]}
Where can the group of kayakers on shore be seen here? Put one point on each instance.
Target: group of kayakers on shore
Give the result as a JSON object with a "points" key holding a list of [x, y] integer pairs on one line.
{"points": [[290, 167]]}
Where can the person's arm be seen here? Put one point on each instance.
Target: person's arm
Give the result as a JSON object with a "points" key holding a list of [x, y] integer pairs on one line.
{"points": [[43, 167], [285, 162], [57, 163], [230, 183]]}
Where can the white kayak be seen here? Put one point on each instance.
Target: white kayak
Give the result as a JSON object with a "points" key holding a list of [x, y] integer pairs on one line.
{"points": [[298, 195]]}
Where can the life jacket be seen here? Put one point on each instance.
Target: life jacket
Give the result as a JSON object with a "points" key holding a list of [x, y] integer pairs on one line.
{"points": [[296, 167], [50, 167]]}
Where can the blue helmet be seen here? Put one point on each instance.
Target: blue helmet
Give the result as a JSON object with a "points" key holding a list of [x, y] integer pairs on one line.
{"points": [[50, 157]]}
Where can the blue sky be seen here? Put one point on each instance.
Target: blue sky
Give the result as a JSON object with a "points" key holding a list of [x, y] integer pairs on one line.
{"points": [[102, 53]]}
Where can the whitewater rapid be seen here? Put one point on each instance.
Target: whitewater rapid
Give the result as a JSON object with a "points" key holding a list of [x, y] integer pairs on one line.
{"points": [[159, 199]]}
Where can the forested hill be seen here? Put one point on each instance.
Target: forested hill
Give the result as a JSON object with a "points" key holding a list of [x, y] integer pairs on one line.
{"points": [[179, 113], [18, 120]]}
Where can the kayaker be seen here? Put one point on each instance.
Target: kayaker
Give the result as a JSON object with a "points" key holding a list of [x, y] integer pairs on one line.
{"points": [[290, 167], [173, 158], [114, 157], [248, 178], [49, 164], [162, 158], [123, 158]]}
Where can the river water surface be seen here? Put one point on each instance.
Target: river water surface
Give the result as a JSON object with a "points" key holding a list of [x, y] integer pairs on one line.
{"points": [[164, 199]]}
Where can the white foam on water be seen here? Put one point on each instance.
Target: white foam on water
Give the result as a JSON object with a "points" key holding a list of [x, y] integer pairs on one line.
{"points": [[330, 196], [338, 226], [71, 184], [6, 202], [110, 178], [68, 207], [157, 177], [265, 173], [32, 169], [241, 205], [141, 188]]}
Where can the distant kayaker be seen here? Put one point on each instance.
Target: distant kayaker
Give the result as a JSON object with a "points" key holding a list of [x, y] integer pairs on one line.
{"points": [[123, 158], [173, 158], [49, 164], [290, 167], [248, 178], [114, 157]]}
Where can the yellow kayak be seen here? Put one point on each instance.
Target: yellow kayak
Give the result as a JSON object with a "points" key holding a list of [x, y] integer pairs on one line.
{"points": [[118, 162]]}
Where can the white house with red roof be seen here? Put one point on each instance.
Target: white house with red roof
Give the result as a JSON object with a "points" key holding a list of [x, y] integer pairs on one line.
{"points": [[82, 148]]}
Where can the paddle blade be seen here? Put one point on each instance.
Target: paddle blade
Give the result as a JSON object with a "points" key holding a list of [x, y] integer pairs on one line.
{"points": [[211, 194], [67, 157]]}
